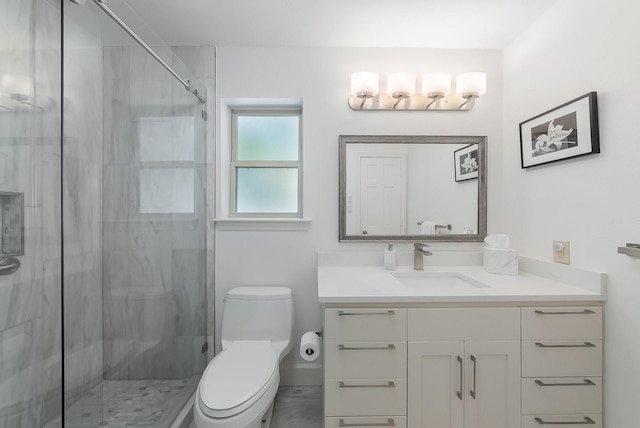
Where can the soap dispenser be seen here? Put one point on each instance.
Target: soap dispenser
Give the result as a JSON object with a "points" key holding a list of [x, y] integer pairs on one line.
{"points": [[390, 257]]}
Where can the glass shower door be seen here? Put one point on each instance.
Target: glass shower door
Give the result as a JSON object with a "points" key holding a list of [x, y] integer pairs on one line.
{"points": [[30, 239]]}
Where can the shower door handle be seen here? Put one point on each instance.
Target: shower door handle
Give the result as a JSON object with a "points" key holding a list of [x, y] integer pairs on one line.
{"points": [[9, 265]]}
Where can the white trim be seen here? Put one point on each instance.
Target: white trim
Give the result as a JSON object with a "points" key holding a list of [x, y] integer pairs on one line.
{"points": [[262, 223], [301, 374]]}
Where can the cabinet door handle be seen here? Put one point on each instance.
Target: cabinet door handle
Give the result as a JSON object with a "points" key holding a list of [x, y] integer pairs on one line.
{"points": [[584, 312], [389, 347], [587, 421], [475, 369], [341, 313], [585, 345], [389, 384], [586, 382], [459, 393], [390, 423]]}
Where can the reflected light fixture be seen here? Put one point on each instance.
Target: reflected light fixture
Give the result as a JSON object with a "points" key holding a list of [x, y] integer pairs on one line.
{"points": [[364, 85], [16, 86], [435, 93]]}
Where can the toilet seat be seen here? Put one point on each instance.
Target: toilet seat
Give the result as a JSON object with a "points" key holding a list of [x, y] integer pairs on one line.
{"points": [[237, 378]]}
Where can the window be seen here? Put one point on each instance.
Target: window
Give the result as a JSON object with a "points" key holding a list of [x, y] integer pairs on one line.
{"points": [[266, 163]]}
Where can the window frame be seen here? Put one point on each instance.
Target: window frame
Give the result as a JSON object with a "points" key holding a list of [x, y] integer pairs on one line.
{"points": [[235, 163]]}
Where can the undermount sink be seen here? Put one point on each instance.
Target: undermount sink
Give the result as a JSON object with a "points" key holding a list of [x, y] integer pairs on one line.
{"points": [[437, 280]]}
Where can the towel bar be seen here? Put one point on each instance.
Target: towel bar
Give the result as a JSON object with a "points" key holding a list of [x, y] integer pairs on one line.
{"points": [[630, 250]]}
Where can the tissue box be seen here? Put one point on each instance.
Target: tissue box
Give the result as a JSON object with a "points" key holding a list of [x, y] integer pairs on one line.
{"points": [[500, 260]]}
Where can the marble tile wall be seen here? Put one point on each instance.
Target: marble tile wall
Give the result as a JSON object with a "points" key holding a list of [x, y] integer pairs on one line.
{"points": [[154, 263]]}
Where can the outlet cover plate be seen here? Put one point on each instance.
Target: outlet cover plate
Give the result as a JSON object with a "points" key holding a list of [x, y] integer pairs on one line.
{"points": [[564, 255]]}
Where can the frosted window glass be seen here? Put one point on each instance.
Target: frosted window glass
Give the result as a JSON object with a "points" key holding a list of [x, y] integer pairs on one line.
{"points": [[166, 138], [266, 138], [267, 190], [167, 190]]}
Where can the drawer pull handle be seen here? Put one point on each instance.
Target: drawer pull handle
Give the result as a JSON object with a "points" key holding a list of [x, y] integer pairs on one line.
{"points": [[389, 384], [475, 369], [585, 345], [587, 421], [585, 312], [342, 313], [586, 382], [459, 392], [389, 347], [389, 423]]}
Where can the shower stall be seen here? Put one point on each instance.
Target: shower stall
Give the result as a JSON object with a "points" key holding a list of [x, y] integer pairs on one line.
{"points": [[105, 247]]}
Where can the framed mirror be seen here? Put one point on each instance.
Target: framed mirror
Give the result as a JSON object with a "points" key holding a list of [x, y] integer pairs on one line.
{"points": [[412, 188]]}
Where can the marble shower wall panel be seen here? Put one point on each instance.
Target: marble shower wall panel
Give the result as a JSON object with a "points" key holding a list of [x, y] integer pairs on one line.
{"points": [[154, 264], [82, 200]]}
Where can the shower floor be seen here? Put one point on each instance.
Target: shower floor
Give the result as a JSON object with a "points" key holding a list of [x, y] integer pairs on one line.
{"points": [[140, 403]]}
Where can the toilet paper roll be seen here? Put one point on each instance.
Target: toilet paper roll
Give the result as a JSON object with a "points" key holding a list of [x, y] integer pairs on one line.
{"points": [[310, 346]]}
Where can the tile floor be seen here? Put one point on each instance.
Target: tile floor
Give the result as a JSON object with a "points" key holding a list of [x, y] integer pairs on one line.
{"points": [[296, 407], [143, 403]]}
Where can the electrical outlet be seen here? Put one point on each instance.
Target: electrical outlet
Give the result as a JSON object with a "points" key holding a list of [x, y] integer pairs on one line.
{"points": [[561, 253]]}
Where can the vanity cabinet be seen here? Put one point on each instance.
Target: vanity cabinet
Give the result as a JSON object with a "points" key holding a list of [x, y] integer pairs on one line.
{"points": [[562, 366], [471, 380], [462, 367], [365, 357]]}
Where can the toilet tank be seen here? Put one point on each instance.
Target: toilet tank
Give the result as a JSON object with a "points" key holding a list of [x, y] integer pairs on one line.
{"points": [[258, 313]]}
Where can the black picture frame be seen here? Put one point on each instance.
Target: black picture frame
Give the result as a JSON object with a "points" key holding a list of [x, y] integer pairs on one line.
{"points": [[564, 132], [465, 163]]}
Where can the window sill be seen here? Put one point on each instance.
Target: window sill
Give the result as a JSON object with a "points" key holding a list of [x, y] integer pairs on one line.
{"points": [[262, 223]]}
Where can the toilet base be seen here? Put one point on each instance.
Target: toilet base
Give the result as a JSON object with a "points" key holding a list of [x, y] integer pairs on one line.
{"points": [[266, 419]]}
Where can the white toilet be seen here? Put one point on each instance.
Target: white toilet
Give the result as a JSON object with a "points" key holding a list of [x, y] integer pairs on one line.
{"points": [[238, 387]]}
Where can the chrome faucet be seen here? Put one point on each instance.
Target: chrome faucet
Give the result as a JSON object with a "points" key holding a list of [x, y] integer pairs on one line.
{"points": [[418, 253]]}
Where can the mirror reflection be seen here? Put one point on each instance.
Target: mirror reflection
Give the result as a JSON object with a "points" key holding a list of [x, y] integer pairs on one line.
{"points": [[412, 188]]}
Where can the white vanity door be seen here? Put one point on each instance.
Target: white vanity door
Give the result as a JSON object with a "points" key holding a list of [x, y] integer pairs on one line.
{"points": [[436, 384], [492, 384]]}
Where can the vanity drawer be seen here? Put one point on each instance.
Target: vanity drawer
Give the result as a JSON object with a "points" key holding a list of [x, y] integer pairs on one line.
{"points": [[374, 422], [553, 396], [464, 324], [365, 360], [539, 421], [375, 397], [562, 358], [365, 324], [574, 322]]}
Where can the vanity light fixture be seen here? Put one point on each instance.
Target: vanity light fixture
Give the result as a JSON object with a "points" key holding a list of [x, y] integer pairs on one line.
{"points": [[401, 86], [364, 85], [471, 85], [435, 94]]}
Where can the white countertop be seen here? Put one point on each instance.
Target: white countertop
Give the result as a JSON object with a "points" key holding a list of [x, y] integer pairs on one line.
{"points": [[374, 284]]}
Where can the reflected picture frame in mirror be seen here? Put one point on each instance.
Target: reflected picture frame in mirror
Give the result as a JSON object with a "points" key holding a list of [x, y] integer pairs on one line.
{"points": [[364, 157]]}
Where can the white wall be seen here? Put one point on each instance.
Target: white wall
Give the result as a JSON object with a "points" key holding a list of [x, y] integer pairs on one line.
{"points": [[577, 47], [321, 77]]}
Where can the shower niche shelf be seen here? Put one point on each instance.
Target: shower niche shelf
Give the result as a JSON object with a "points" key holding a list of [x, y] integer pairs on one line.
{"points": [[11, 231]]}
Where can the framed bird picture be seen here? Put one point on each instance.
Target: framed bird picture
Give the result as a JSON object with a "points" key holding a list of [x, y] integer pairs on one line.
{"points": [[567, 131]]}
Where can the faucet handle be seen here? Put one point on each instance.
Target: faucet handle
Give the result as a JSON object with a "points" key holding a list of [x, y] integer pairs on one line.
{"points": [[419, 245]]}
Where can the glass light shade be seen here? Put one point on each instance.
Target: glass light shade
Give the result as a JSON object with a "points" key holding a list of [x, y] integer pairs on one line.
{"points": [[15, 86], [365, 84], [436, 85], [401, 85], [471, 84]]}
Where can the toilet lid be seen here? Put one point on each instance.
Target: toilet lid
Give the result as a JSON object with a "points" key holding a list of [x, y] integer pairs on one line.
{"points": [[237, 377]]}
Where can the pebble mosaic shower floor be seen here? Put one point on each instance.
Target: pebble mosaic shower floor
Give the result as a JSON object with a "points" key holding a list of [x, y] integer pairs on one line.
{"points": [[123, 403]]}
